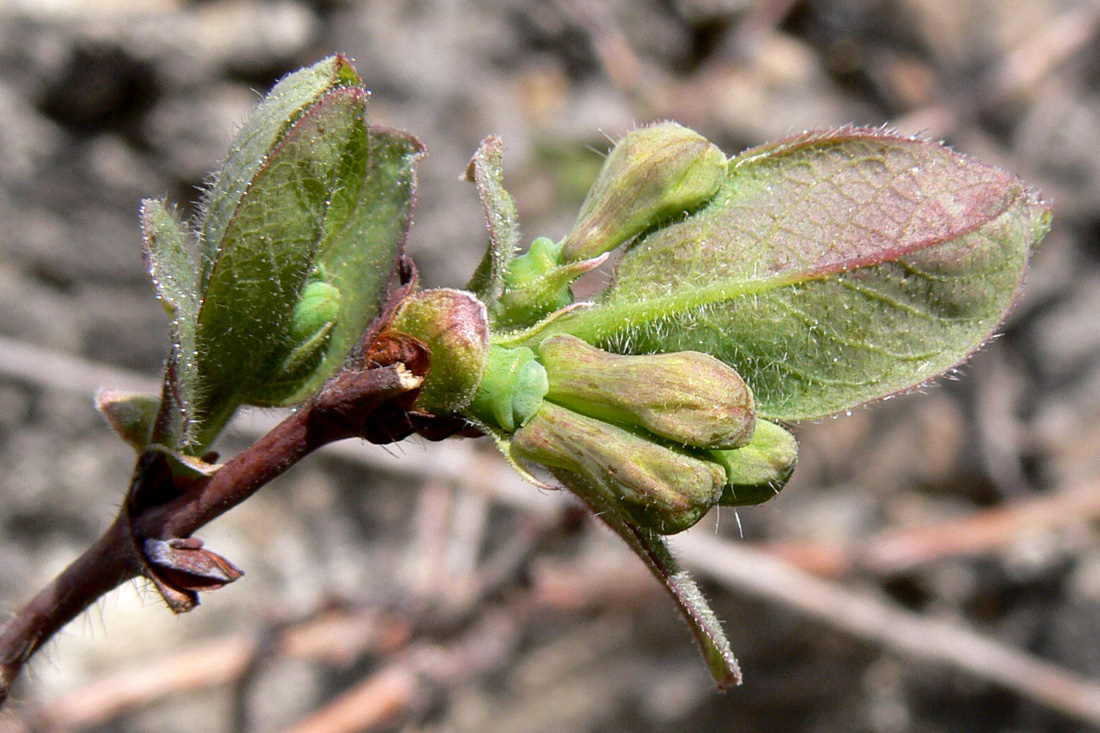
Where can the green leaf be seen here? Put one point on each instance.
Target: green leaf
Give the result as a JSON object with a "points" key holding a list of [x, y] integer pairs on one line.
{"points": [[486, 172], [271, 244], [330, 203], [265, 127], [171, 257], [829, 270], [361, 249], [654, 552]]}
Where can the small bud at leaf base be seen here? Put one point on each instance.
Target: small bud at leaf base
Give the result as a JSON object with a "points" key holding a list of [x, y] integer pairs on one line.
{"points": [[686, 397], [454, 326], [511, 389], [654, 173], [316, 311], [538, 283], [312, 321], [758, 471], [659, 487]]}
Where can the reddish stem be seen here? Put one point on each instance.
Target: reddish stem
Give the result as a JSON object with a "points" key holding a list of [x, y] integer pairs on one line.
{"points": [[341, 410]]}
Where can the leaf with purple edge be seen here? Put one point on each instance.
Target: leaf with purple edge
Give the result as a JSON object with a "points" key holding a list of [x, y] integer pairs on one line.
{"points": [[830, 269]]}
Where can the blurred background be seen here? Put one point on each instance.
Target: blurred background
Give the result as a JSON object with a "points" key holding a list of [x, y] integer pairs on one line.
{"points": [[423, 587]]}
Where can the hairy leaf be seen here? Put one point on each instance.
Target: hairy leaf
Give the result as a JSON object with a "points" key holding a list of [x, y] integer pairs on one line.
{"points": [[171, 257], [500, 216], [830, 269], [263, 130], [329, 203]]}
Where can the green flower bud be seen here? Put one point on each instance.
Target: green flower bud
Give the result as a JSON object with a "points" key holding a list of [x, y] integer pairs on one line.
{"points": [[538, 283], [758, 471], [316, 311], [686, 397], [511, 389], [652, 174], [455, 328], [312, 320], [664, 489]]}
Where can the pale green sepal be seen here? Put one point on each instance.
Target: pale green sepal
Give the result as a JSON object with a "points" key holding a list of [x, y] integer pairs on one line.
{"points": [[131, 415], [511, 389]]}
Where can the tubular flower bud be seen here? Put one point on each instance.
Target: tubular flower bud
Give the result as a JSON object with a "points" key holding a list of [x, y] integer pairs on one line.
{"points": [[454, 326], [652, 174], [686, 397], [758, 471], [662, 488]]}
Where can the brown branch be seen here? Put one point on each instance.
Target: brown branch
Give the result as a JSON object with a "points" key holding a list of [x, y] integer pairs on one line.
{"points": [[895, 551], [343, 408]]}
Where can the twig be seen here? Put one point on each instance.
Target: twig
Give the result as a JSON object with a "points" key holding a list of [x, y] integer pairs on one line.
{"points": [[336, 637], [377, 700], [113, 559], [420, 671], [755, 572], [901, 550]]}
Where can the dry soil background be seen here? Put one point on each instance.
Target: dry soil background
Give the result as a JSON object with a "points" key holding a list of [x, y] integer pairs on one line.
{"points": [[426, 587]]}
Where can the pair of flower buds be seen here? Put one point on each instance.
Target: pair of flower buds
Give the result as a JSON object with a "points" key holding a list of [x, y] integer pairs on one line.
{"points": [[662, 437]]}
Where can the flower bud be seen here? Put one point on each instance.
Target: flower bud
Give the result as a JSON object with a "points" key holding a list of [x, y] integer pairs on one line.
{"points": [[653, 173], [316, 311], [511, 388], [454, 326], [758, 471], [661, 488], [537, 283], [686, 397]]}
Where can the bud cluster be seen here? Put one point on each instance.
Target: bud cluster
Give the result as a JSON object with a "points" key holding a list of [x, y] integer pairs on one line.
{"points": [[664, 436]]}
